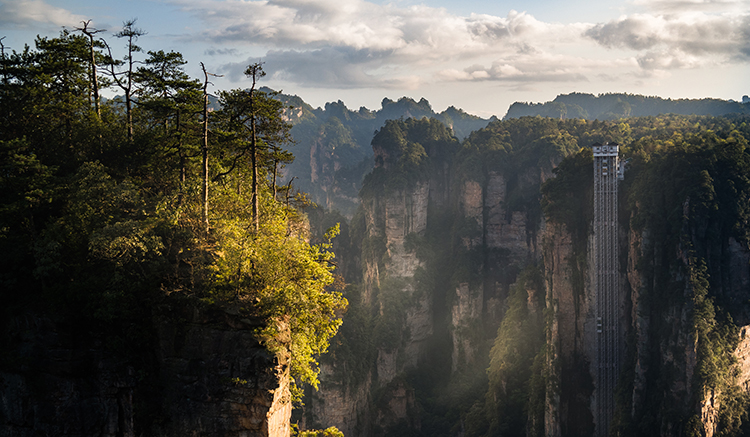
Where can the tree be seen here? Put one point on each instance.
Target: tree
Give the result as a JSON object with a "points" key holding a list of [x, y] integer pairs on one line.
{"points": [[273, 131], [44, 96], [124, 79], [173, 101], [254, 72], [252, 129], [92, 62], [204, 148]]}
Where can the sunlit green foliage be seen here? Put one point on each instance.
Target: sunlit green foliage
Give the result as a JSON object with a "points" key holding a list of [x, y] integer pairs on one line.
{"points": [[328, 432], [285, 278], [97, 227]]}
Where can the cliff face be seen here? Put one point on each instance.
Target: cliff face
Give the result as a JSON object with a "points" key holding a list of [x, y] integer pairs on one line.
{"points": [[571, 336], [664, 353], [447, 245], [669, 331], [199, 372], [681, 274], [439, 255]]}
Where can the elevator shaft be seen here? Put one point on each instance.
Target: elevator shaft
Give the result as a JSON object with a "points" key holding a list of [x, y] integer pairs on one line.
{"points": [[606, 282]]}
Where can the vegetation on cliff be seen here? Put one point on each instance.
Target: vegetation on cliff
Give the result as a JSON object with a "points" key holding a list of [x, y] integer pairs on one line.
{"points": [[107, 210], [406, 152], [514, 402], [690, 194], [686, 191]]}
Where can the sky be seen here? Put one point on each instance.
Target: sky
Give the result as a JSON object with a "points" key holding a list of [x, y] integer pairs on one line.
{"points": [[477, 55]]}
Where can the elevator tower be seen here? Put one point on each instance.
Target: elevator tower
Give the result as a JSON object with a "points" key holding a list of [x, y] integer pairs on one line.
{"points": [[607, 172]]}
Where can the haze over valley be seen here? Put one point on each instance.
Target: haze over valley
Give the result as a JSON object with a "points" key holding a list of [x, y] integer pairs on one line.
{"points": [[369, 219]]}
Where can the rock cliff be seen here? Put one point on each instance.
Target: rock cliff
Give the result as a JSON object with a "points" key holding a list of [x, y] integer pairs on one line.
{"points": [[681, 273], [441, 248], [196, 371], [451, 244]]}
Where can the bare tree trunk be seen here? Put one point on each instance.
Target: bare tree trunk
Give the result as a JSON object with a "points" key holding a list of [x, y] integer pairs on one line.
{"points": [[5, 80], [95, 81], [205, 148], [183, 159], [254, 72], [129, 112], [275, 173], [92, 72], [254, 162]]}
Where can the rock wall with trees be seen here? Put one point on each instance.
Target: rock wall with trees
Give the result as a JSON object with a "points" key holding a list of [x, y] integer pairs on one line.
{"points": [[476, 316], [140, 294]]}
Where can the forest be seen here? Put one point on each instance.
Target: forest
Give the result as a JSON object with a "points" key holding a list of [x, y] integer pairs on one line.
{"points": [[111, 207], [435, 283]]}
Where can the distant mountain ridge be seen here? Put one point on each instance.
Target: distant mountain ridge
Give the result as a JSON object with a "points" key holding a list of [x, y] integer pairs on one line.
{"points": [[458, 120], [611, 106], [332, 144]]}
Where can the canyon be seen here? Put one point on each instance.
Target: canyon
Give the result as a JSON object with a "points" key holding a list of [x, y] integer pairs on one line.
{"points": [[446, 251]]}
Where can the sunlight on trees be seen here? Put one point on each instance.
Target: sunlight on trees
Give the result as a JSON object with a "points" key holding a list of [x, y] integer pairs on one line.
{"points": [[104, 220]]}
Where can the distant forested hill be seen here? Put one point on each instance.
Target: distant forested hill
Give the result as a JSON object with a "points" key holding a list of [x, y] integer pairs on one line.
{"points": [[332, 144], [612, 106]]}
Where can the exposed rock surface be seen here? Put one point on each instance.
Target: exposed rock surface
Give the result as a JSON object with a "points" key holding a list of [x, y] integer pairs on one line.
{"points": [[570, 355], [465, 319], [664, 343], [207, 375]]}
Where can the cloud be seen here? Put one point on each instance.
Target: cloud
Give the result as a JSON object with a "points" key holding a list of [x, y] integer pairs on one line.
{"points": [[526, 68], [23, 13], [331, 67], [295, 23], [682, 6], [678, 41], [219, 52], [412, 31], [359, 44], [355, 43]]}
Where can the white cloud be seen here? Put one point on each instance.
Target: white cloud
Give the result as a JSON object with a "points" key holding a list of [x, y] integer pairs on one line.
{"points": [[412, 31], [539, 67], [356, 44], [681, 41], [24, 13], [682, 6]]}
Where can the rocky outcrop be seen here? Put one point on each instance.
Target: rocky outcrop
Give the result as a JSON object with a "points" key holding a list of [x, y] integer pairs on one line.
{"points": [[390, 221], [201, 371], [405, 215], [341, 403], [570, 354], [466, 312], [505, 229], [218, 378], [64, 384]]}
